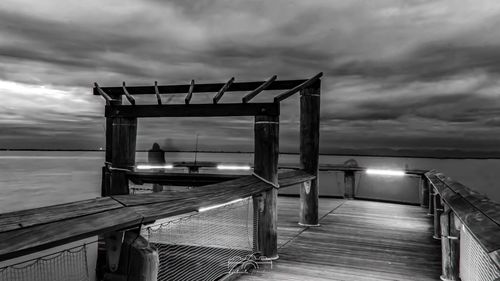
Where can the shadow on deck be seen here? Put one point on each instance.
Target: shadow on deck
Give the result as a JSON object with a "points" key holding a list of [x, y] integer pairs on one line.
{"points": [[357, 240]]}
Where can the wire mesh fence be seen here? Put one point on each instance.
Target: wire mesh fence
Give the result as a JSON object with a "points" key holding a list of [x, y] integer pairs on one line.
{"points": [[475, 264], [66, 265], [206, 245]]}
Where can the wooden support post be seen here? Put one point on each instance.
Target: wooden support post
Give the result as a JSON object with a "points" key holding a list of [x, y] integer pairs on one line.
{"points": [[432, 193], [101, 265], [350, 184], [438, 210], [309, 152], [450, 246], [123, 153], [424, 192], [139, 261], [106, 181], [266, 166]]}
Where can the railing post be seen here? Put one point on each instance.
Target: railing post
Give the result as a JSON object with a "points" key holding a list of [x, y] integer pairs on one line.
{"points": [[349, 184], [424, 192], [309, 152], [432, 194], [438, 210], [266, 166], [139, 261], [450, 246]]}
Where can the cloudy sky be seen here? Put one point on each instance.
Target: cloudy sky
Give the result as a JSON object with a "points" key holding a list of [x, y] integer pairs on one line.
{"points": [[400, 75]]}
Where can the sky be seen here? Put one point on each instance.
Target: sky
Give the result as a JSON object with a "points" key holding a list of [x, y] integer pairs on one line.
{"points": [[400, 76]]}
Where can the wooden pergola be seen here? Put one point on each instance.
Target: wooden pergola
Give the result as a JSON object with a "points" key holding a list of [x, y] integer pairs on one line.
{"points": [[121, 132]]}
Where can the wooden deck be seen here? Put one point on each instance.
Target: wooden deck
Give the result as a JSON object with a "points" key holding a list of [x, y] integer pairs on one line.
{"points": [[357, 240]]}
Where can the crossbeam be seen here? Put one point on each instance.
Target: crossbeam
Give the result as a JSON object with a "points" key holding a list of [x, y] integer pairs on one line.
{"points": [[200, 88], [193, 110]]}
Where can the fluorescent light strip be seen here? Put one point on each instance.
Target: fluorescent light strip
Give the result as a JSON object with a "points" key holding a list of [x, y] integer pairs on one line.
{"points": [[233, 167], [149, 167], [204, 209], [385, 172]]}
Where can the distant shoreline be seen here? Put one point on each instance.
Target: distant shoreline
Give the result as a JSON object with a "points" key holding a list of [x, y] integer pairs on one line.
{"points": [[286, 153]]}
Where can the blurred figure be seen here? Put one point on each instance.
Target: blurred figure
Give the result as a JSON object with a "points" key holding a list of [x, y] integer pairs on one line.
{"points": [[156, 156]]}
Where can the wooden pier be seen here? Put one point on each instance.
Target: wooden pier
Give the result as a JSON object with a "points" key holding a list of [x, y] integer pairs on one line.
{"points": [[306, 238], [357, 240]]}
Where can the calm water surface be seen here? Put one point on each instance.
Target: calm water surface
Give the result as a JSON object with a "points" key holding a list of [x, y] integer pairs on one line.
{"points": [[31, 179]]}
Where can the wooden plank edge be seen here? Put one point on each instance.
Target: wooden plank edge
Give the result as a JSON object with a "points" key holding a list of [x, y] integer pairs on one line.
{"points": [[495, 257]]}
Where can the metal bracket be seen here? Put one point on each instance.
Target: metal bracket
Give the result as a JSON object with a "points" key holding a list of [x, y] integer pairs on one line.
{"points": [[114, 242], [449, 237]]}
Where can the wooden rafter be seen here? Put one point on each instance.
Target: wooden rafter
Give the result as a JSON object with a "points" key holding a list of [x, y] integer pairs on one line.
{"points": [[202, 88], [304, 85], [102, 93], [221, 92], [190, 93], [129, 97], [157, 93], [261, 88]]}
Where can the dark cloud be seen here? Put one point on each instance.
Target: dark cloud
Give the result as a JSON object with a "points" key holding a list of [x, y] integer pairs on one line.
{"points": [[399, 74]]}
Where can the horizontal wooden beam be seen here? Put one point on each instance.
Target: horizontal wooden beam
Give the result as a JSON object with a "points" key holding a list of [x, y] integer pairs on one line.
{"points": [[342, 168], [201, 88], [179, 179], [193, 110]]}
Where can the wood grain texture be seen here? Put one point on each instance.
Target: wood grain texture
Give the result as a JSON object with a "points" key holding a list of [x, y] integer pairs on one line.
{"points": [[179, 179], [29, 231], [193, 110], [43, 236], [471, 209], [309, 151], [294, 177], [310, 83], [26, 218], [258, 90], [360, 240], [266, 147], [495, 257], [480, 201], [139, 261], [200, 88], [450, 246]]}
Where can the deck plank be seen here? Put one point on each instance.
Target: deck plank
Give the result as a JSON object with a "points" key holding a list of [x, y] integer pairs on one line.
{"points": [[25, 218], [357, 240]]}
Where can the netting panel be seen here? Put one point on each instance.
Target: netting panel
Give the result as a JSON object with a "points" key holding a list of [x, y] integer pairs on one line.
{"points": [[475, 264], [68, 265], [204, 246]]}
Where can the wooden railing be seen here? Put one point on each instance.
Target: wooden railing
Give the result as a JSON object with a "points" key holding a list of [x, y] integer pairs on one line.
{"points": [[455, 206], [29, 231]]}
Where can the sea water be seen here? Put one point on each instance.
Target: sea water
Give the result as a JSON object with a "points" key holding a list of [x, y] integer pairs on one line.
{"points": [[30, 179]]}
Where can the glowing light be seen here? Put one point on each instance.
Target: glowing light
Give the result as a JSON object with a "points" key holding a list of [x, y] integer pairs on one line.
{"points": [[149, 167], [385, 172], [232, 167], [204, 209]]}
